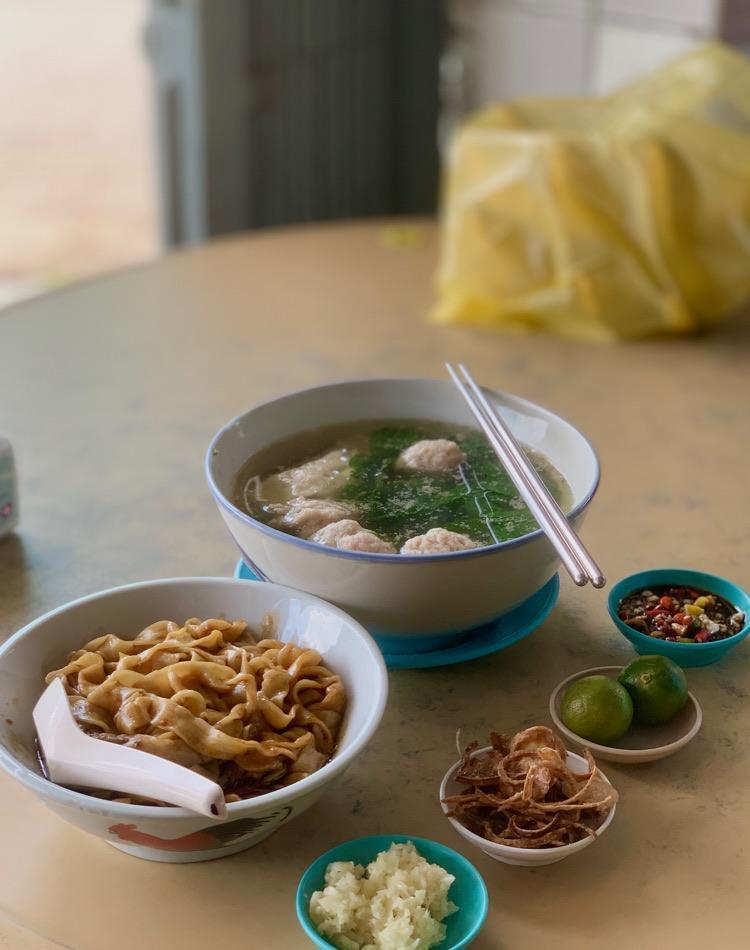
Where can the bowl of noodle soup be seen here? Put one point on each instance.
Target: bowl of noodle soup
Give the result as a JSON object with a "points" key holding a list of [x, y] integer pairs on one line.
{"points": [[381, 496], [270, 692]]}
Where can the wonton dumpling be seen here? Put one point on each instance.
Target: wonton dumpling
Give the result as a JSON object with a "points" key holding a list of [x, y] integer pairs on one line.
{"points": [[349, 535], [431, 455], [323, 477], [305, 516], [437, 541]]}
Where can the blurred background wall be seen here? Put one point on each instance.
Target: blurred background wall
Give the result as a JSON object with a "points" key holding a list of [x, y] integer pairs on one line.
{"points": [[77, 191], [131, 125], [281, 111], [314, 109]]}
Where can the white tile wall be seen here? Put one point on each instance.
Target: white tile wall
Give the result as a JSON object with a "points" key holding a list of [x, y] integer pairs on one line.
{"points": [[555, 7], [569, 47], [517, 54], [700, 14], [621, 54]]}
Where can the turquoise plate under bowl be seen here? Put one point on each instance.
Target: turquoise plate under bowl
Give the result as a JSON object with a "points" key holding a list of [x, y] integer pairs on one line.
{"points": [[684, 654], [481, 641], [468, 891]]}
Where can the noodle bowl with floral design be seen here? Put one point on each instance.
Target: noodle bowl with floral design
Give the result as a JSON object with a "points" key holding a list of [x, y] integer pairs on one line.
{"points": [[308, 634]]}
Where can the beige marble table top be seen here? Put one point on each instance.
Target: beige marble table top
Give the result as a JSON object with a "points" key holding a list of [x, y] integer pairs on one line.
{"points": [[110, 391]]}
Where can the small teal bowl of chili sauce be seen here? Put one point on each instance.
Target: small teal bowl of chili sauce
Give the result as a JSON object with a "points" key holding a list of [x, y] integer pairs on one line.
{"points": [[692, 617]]}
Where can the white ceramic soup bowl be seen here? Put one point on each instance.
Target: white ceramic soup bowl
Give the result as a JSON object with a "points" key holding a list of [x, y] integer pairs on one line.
{"points": [[167, 833], [412, 603]]}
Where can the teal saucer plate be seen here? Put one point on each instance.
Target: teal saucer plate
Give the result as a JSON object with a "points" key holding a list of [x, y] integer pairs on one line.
{"points": [[481, 641]]}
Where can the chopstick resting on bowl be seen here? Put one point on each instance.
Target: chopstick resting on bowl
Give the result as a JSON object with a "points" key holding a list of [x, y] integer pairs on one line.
{"points": [[548, 514]]}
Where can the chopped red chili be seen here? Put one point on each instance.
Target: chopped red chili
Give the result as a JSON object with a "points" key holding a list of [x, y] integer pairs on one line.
{"points": [[677, 612]]}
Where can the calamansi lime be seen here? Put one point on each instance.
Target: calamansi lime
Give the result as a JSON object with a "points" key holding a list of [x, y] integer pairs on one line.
{"points": [[597, 708], [657, 687]]}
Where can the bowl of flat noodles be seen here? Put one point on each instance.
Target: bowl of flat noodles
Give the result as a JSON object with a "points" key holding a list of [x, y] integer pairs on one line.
{"points": [[268, 692]]}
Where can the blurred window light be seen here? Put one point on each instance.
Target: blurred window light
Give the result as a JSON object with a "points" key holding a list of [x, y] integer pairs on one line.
{"points": [[77, 194]]}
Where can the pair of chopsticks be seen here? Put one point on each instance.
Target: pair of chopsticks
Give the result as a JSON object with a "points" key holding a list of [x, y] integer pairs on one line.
{"points": [[548, 514]]}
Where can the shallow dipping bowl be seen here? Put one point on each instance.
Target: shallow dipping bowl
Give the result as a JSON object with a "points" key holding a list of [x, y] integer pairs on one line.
{"points": [[468, 891], [169, 833], [640, 743], [413, 603], [684, 654]]}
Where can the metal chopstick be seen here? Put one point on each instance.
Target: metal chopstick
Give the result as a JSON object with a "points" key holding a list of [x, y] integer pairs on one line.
{"points": [[581, 553], [573, 554]]}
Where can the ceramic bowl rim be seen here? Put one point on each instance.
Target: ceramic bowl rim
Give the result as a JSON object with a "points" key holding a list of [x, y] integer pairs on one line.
{"points": [[595, 747], [630, 584], [507, 850], [247, 519], [326, 857], [70, 798]]}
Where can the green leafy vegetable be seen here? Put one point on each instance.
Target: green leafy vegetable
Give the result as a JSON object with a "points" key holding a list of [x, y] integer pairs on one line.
{"points": [[478, 499]]}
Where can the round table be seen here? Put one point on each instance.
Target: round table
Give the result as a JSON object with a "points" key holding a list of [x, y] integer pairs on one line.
{"points": [[110, 391]]}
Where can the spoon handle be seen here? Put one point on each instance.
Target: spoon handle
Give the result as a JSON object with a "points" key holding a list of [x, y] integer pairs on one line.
{"points": [[73, 758]]}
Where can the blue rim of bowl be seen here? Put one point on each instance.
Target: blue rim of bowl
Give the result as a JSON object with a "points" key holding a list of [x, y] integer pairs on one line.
{"points": [[333, 854], [631, 583], [222, 500]]}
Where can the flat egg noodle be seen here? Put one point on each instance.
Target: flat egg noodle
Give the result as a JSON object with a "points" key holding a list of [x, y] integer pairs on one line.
{"points": [[252, 715]]}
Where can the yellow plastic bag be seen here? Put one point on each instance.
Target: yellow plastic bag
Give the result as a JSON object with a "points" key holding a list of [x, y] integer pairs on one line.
{"points": [[605, 218]]}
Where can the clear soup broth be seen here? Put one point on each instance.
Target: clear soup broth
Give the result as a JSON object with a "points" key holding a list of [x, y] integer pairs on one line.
{"points": [[356, 472]]}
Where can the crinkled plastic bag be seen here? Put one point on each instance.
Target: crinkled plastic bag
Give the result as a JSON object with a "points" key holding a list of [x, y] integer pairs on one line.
{"points": [[605, 218]]}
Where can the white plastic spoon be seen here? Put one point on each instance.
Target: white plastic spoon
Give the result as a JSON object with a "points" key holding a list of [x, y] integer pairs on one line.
{"points": [[73, 758]]}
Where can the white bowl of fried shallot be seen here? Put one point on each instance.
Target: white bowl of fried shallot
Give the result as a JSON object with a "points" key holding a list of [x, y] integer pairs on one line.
{"points": [[526, 800]]}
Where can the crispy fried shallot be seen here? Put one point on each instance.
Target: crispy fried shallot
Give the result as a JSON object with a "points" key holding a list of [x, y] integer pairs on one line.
{"points": [[522, 793]]}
